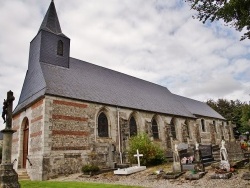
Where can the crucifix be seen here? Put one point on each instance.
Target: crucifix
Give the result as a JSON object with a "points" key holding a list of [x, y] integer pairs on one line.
{"points": [[8, 176], [138, 157], [7, 109]]}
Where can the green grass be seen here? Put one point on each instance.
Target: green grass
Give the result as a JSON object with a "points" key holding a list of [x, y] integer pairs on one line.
{"points": [[53, 184]]}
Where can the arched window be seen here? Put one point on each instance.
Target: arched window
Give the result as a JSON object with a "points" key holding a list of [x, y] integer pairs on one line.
{"points": [[172, 128], [132, 127], [155, 129], [221, 128], [103, 130], [203, 128], [214, 124], [60, 48]]}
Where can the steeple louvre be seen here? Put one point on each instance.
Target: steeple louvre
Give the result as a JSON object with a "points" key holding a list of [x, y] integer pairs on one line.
{"points": [[51, 21]]}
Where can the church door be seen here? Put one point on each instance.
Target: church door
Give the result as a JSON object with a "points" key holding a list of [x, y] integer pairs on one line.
{"points": [[25, 142]]}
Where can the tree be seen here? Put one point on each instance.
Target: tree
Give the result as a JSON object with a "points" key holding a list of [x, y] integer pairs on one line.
{"points": [[152, 152], [233, 12], [230, 110], [234, 111], [245, 118]]}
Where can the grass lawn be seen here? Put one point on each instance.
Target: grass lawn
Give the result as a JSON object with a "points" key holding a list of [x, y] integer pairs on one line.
{"points": [[51, 184]]}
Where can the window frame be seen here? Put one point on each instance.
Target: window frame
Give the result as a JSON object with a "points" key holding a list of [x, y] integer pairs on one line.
{"points": [[203, 125], [131, 132], [155, 129], [102, 132], [60, 47]]}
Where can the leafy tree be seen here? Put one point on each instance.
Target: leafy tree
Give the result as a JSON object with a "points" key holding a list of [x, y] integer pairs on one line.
{"points": [[230, 110], [235, 111], [245, 118], [233, 12], [152, 153]]}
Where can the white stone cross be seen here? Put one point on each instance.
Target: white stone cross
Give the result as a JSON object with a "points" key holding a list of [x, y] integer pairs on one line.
{"points": [[138, 157]]}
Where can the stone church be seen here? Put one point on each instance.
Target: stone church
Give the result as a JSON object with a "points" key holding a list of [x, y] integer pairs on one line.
{"points": [[71, 112]]}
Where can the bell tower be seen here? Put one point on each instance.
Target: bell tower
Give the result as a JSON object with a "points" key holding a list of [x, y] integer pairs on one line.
{"points": [[50, 45]]}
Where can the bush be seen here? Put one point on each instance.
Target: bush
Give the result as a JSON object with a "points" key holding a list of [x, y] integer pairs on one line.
{"points": [[90, 169], [152, 153]]}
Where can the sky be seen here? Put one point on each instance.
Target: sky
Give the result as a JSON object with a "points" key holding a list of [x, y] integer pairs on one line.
{"points": [[155, 40]]}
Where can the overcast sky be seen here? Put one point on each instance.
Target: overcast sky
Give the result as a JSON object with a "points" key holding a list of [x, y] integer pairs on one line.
{"points": [[156, 40]]}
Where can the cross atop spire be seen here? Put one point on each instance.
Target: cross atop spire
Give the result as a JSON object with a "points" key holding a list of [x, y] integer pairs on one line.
{"points": [[50, 21]]}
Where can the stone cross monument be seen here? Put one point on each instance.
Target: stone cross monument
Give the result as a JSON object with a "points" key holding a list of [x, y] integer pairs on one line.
{"points": [[176, 163], [8, 176]]}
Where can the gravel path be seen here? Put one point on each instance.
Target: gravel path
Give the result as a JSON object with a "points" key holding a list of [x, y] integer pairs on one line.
{"points": [[146, 179]]}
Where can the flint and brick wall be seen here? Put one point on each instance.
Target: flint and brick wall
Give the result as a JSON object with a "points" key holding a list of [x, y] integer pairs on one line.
{"points": [[63, 135]]}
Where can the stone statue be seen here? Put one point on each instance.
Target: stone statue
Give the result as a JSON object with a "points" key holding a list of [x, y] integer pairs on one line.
{"points": [[176, 154], [5, 107], [223, 144], [224, 163], [196, 146]]}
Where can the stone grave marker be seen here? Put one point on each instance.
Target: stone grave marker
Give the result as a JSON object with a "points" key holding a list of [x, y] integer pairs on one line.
{"points": [[197, 171], [246, 175], [223, 172], [176, 163], [133, 169], [176, 168], [206, 153]]}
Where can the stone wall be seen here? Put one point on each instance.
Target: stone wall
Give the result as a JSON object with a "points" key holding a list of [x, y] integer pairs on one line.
{"points": [[63, 135], [35, 117]]}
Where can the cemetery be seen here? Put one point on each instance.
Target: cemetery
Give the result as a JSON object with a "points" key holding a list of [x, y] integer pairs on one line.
{"points": [[171, 174]]}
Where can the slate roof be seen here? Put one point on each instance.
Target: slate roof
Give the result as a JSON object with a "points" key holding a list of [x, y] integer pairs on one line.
{"points": [[51, 22], [88, 82], [198, 108]]}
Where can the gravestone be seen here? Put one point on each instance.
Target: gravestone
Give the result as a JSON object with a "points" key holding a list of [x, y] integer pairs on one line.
{"points": [[197, 171], [190, 158], [133, 169], [176, 168], [183, 146], [176, 163], [223, 172], [246, 175], [206, 154]]}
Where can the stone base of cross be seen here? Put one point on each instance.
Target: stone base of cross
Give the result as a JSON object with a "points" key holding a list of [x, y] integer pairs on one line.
{"points": [[138, 157]]}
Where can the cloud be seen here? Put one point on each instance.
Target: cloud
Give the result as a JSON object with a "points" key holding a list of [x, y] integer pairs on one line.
{"points": [[155, 40]]}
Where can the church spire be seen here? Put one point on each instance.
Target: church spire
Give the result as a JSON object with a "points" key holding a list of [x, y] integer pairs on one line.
{"points": [[50, 21]]}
